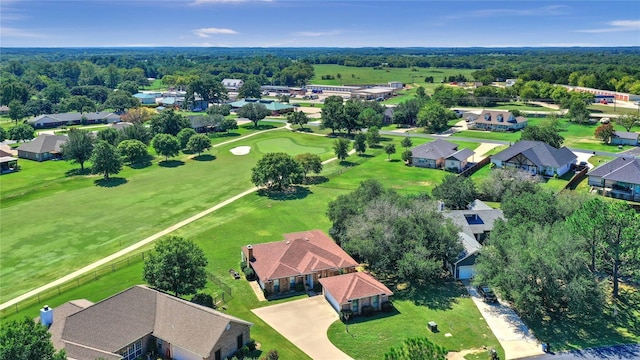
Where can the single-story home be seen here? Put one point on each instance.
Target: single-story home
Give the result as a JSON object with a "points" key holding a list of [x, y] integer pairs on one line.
{"points": [[302, 258], [120, 125], [537, 157], [170, 101], [148, 98], [464, 267], [495, 121], [354, 291], [440, 154], [42, 148], [232, 84], [625, 138], [128, 324], [4, 109], [54, 120], [618, 178]]}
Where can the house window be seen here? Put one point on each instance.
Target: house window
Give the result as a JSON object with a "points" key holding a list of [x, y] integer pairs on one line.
{"points": [[240, 342], [132, 351], [292, 282], [218, 355], [354, 306], [276, 286], [374, 301]]}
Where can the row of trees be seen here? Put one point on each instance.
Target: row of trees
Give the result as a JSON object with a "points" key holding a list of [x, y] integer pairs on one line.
{"points": [[278, 171]]}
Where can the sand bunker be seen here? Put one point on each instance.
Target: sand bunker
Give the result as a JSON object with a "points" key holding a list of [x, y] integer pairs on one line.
{"points": [[240, 150]]}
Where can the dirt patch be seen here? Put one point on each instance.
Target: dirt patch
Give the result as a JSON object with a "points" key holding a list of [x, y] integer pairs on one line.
{"points": [[461, 354], [240, 150]]}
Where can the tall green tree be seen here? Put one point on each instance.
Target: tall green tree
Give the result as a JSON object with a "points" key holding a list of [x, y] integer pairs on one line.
{"points": [[228, 124], [277, 171], [177, 265], [109, 135], [369, 117], [250, 89], [21, 132], [184, 135], [351, 116], [199, 143], [79, 147], [434, 117], [16, 110], [310, 163], [538, 206], [373, 136], [456, 192], [341, 148], [589, 222], [390, 149], [165, 145], [105, 159], [628, 121], [545, 133], [27, 340], [133, 151], [121, 101], [254, 112], [208, 88], [332, 113], [406, 142], [360, 143], [604, 132], [3, 134], [168, 122], [298, 118]]}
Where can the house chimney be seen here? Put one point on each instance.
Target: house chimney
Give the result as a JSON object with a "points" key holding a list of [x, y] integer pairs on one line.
{"points": [[46, 316], [250, 251]]}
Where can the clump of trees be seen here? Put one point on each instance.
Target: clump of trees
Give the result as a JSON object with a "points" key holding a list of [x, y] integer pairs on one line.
{"points": [[176, 265], [604, 133], [277, 171], [401, 236], [27, 340], [456, 192]]}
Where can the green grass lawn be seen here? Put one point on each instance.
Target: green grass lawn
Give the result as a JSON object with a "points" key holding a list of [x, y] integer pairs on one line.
{"points": [[447, 305], [72, 221], [367, 75], [155, 85], [609, 109]]}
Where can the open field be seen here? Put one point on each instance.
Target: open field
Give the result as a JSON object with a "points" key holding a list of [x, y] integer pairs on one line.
{"points": [[610, 109], [367, 75], [455, 314], [85, 221]]}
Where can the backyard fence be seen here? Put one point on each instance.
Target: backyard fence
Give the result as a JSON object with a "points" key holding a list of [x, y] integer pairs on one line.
{"points": [[42, 297], [226, 290], [577, 178], [477, 166]]}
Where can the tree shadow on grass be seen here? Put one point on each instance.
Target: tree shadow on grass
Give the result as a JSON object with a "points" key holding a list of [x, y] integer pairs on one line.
{"points": [[204, 157], [433, 296], [77, 172], [224, 135], [140, 165], [171, 163], [304, 130], [378, 315], [365, 155], [347, 163], [292, 193], [110, 182], [394, 160], [260, 126]]}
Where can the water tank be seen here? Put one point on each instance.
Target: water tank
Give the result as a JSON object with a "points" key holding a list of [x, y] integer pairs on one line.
{"points": [[46, 316]]}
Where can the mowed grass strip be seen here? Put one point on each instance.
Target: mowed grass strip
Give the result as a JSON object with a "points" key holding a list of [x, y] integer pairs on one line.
{"points": [[61, 228], [368, 75]]}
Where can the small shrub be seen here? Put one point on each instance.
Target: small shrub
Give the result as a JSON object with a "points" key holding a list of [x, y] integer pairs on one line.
{"points": [[317, 287], [244, 350], [203, 299], [368, 311], [271, 355], [243, 265], [387, 306], [249, 273], [252, 345], [346, 314], [299, 287], [493, 165]]}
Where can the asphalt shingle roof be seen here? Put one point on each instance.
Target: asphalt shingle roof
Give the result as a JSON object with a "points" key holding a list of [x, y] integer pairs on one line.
{"points": [[540, 153], [434, 150], [44, 143], [486, 215], [353, 286], [622, 169], [626, 135]]}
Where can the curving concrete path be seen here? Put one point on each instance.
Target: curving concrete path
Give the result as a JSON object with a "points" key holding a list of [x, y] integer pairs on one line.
{"points": [[305, 322]]}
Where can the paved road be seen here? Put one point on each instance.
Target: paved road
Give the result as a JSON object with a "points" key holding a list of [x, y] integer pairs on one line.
{"points": [[609, 352]]}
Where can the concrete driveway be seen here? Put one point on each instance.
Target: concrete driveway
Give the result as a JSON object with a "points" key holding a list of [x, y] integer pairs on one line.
{"points": [[514, 336], [305, 322]]}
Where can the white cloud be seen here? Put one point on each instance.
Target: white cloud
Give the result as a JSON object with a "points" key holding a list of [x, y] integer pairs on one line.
{"points": [[206, 32], [545, 10], [616, 26], [317, 33], [14, 32]]}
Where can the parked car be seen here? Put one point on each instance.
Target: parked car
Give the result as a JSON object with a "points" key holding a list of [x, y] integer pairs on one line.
{"points": [[487, 294]]}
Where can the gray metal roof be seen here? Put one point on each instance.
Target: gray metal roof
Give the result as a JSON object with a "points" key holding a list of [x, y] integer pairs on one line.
{"points": [[44, 143], [69, 117], [540, 153], [622, 169], [626, 135]]}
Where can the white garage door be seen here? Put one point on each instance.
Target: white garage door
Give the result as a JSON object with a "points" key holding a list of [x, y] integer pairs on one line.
{"points": [[466, 272], [182, 354]]}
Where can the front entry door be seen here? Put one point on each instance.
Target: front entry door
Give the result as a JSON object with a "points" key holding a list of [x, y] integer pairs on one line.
{"points": [[310, 280]]}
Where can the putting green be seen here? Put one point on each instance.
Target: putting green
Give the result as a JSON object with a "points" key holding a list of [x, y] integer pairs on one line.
{"points": [[288, 146]]}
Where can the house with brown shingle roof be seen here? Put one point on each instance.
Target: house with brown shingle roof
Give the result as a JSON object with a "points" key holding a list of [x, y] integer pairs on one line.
{"points": [[354, 291], [495, 121], [441, 154], [128, 324], [44, 147], [302, 258]]}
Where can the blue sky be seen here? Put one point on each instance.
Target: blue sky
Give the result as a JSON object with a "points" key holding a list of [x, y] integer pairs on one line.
{"points": [[327, 23]]}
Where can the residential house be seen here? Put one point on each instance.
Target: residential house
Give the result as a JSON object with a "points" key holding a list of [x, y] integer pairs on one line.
{"points": [[618, 178], [537, 157], [510, 82], [232, 84], [276, 108], [388, 115], [302, 258], [199, 123], [44, 147], [495, 121], [354, 291], [55, 120], [8, 163], [4, 109], [170, 101], [625, 138], [441, 154], [476, 222], [128, 324], [147, 98], [120, 125]]}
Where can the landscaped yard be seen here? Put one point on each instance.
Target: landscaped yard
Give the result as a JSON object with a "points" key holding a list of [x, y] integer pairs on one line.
{"points": [[447, 305]]}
